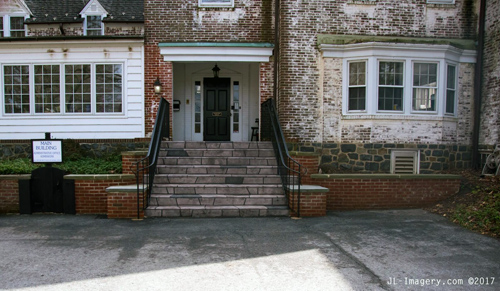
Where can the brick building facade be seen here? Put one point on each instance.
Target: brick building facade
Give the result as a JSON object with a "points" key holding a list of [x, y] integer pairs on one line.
{"points": [[355, 127]]}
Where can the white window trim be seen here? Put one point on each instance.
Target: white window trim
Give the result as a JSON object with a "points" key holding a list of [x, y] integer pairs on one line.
{"points": [[6, 23], [365, 61], [439, 90], [440, 1], [455, 105], [409, 53], [216, 4], [62, 92], [85, 23]]}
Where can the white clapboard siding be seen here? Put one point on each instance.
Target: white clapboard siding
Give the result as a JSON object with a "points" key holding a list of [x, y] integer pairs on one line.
{"points": [[126, 125]]}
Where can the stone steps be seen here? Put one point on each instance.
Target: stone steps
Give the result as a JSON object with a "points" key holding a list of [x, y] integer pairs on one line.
{"points": [[215, 179]]}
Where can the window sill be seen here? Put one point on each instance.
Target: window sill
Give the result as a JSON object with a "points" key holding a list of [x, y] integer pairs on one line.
{"points": [[398, 117], [362, 2]]}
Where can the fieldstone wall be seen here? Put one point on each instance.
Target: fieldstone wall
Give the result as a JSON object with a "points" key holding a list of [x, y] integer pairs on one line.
{"points": [[376, 157]]}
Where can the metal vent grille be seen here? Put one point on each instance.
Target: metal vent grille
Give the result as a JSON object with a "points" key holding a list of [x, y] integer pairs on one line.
{"points": [[405, 162]]}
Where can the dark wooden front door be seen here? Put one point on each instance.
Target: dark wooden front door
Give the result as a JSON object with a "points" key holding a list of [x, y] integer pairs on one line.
{"points": [[217, 114]]}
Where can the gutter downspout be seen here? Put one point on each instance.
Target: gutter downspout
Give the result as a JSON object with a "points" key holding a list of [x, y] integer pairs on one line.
{"points": [[277, 11], [478, 82]]}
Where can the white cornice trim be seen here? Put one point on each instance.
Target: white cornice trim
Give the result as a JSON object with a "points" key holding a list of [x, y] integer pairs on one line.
{"points": [[216, 54], [398, 50]]}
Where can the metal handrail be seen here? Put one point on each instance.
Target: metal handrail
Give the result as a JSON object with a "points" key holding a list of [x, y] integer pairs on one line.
{"points": [[289, 169], [145, 169]]}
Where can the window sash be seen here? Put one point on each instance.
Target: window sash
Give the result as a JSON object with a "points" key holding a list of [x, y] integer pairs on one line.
{"points": [[47, 89], [1, 27], [357, 86], [425, 87], [16, 89], [17, 27], [109, 93], [451, 80], [94, 25], [216, 3], [390, 86]]}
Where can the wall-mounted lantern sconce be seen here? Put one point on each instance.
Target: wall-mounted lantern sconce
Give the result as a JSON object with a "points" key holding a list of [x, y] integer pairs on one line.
{"points": [[157, 86], [216, 71]]}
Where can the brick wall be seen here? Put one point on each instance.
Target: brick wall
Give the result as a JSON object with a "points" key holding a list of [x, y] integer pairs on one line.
{"points": [[124, 205], [490, 124], [311, 204], [90, 191], [348, 193], [9, 193], [302, 95]]}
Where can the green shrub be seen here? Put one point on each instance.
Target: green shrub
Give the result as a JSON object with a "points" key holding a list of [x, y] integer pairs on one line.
{"points": [[17, 166], [83, 165]]}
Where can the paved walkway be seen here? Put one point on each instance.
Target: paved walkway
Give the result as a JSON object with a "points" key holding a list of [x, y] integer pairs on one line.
{"points": [[368, 250]]}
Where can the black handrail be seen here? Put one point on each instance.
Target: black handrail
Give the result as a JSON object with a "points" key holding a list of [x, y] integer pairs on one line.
{"points": [[146, 167], [289, 169]]}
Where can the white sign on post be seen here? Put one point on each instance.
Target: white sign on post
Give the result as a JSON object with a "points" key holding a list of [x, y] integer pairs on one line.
{"points": [[47, 151]]}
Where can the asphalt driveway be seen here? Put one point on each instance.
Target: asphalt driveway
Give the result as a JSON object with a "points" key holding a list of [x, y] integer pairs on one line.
{"points": [[361, 250]]}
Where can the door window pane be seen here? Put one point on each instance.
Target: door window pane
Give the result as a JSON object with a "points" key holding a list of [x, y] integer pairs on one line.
{"points": [[197, 107]]}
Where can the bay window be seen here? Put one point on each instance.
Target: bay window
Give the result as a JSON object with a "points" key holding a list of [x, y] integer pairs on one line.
{"points": [[408, 86], [63, 89]]}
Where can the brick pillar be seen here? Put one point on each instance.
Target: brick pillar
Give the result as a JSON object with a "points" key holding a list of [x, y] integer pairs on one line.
{"points": [[156, 67], [122, 202]]}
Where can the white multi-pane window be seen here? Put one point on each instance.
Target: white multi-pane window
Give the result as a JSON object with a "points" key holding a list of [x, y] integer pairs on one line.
{"points": [[47, 89], [390, 86], [94, 25], [425, 85], [16, 89], [12, 26], [216, 3], [17, 27], [63, 89], [109, 88], [77, 86], [357, 86]]}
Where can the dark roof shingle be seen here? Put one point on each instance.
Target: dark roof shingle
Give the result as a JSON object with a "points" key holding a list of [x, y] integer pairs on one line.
{"points": [[66, 11]]}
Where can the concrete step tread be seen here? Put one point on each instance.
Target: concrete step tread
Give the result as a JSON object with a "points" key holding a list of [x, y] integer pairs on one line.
{"points": [[158, 185], [219, 175], [156, 195], [216, 145], [218, 207]]}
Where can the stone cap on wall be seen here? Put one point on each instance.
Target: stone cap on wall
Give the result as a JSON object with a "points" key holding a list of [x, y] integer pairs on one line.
{"points": [[100, 177], [388, 176], [15, 177]]}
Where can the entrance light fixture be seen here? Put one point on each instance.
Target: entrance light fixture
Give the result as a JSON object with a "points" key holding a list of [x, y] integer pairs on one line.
{"points": [[157, 86], [216, 71]]}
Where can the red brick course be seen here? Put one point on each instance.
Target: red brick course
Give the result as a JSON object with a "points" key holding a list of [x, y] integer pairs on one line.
{"points": [[124, 205], [9, 196], [91, 196], [357, 194]]}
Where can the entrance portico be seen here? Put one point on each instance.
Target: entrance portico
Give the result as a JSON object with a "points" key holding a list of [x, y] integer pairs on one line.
{"points": [[222, 108]]}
